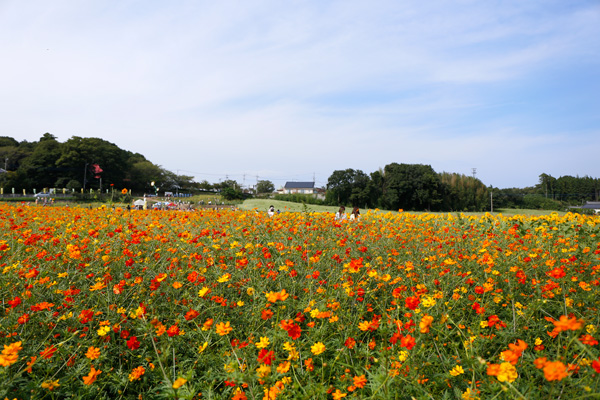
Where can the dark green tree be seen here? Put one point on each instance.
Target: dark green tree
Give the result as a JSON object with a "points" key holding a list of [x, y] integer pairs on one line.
{"points": [[265, 186], [80, 154], [411, 187], [348, 187], [39, 168]]}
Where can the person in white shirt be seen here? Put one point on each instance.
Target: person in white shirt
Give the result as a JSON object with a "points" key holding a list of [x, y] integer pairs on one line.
{"points": [[271, 211], [341, 214], [355, 214]]}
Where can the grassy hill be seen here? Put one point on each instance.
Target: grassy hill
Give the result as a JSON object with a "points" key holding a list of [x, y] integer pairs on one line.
{"points": [[263, 205]]}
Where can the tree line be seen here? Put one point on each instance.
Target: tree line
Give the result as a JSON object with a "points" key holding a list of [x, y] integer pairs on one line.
{"points": [[408, 187], [418, 187], [75, 164]]}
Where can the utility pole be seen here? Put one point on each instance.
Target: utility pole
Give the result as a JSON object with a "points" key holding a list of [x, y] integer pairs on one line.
{"points": [[491, 201]]}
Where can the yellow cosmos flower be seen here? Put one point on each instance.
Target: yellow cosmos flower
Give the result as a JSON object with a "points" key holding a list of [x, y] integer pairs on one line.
{"points": [[50, 385], [103, 330], [202, 347], [179, 382], [317, 348], [508, 372], [458, 370], [262, 343]]}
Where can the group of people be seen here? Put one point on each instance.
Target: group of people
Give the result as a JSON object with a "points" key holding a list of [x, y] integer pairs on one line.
{"points": [[341, 214]]}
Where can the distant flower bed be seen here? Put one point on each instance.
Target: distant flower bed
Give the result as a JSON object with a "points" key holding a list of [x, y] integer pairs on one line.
{"points": [[227, 304]]}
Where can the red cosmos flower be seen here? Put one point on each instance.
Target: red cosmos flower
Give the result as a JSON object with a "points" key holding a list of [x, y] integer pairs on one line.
{"points": [[494, 320], [557, 273], [295, 331], [266, 356], [478, 309], [412, 302], [44, 305], [23, 319], [133, 343], [86, 316], [350, 343], [124, 334], [173, 330], [588, 339], [15, 302], [408, 342], [191, 314], [48, 352], [266, 314], [596, 365]]}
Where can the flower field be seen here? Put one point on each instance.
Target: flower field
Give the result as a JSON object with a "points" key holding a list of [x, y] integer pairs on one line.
{"points": [[235, 305]]}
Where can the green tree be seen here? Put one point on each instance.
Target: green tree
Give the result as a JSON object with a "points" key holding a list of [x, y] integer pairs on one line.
{"points": [[410, 187], [462, 193], [265, 186], [231, 190], [79, 154], [40, 166], [348, 187]]}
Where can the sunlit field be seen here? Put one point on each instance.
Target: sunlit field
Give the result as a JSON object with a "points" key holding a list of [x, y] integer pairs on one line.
{"points": [[221, 304]]}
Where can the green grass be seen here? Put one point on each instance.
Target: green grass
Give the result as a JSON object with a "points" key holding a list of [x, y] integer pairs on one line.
{"points": [[263, 205]]}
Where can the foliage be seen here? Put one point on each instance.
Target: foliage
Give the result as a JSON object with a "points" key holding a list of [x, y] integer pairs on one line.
{"points": [[265, 186], [463, 193], [348, 187], [299, 198], [48, 163], [231, 190], [222, 304], [410, 187]]}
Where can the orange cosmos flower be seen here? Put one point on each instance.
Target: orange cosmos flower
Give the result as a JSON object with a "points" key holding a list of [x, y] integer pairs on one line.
{"points": [[425, 323], [308, 363], [272, 297], [555, 371], [10, 354], [207, 324], [224, 328], [360, 381], [565, 323], [124, 191], [179, 382], [136, 373], [92, 353], [92, 376], [540, 362]]}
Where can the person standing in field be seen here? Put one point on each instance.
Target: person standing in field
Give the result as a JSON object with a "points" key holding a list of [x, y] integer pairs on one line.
{"points": [[355, 215], [341, 214], [271, 211]]}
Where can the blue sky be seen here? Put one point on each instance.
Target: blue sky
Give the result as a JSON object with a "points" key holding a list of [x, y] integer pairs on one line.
{"points": [[288, 90]]}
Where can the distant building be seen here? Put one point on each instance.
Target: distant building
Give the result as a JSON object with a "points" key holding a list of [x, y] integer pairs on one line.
{"points": [[299, 187], [592, 205]]}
